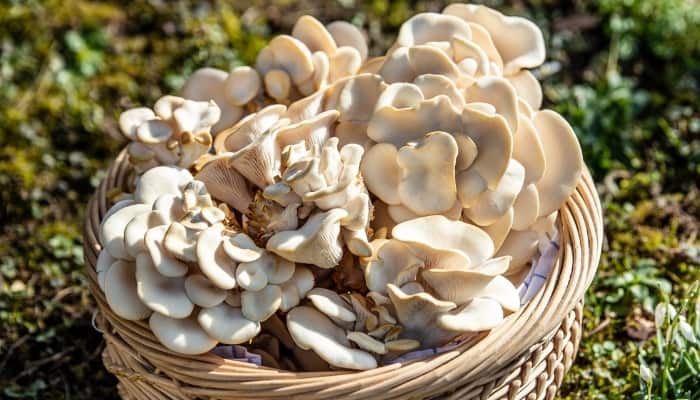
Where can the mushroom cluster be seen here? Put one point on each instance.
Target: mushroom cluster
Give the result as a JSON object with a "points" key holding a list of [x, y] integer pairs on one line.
{"points": [[378, 205]]}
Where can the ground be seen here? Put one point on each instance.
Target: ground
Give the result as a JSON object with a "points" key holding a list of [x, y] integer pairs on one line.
{"points": [[625, 73]]}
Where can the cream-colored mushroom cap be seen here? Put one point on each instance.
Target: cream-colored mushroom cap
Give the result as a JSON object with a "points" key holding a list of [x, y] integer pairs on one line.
{"points": [[104, 262], [480, 314], [130, 120], [161, 294], [135, 230], [261, 304], [314, 35], [453, 241], [428, 168], [163, 261], [287, 53], [311, 330], [154, 131], [393, 263], [526, 207], [417, 314], [564, 160], [212, 259], [183, 336], [277, 84], [241, 248], [431, 27], [180, 242], [113, 226], [528, 150], [521, 246], [499, 93], [519, 41], [208, 84], [347, 34], [121, 294], [202, 292], [316, 242], [227, 324], [528, 88], [226, 184], [460, 286], [406, 63], [382, 173], [159, 181], [331, 304], [491, 205], [242, 85]]}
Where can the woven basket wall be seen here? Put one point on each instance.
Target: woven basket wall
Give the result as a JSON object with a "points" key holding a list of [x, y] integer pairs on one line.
{"points": [[525, 357]]}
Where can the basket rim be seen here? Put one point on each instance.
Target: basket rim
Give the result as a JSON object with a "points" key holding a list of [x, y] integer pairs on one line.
{"points": [[580, 248]]}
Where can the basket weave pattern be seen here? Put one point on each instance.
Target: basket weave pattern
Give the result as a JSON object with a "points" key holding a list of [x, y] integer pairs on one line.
{"points": [[525, 357]]}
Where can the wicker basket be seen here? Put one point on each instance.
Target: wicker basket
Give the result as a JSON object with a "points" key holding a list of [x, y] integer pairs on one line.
{"points": [[525, 357]]}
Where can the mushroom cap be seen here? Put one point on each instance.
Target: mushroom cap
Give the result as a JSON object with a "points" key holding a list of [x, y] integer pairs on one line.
{"points": [[260, 305], [277, 84], [528, 150], [130, 120], [526, 207], [159, 181], [355, 97], [499, 93], [331, 304], [345, 62], [135, 230], [226, 184], [154, 131], [406, 63], [394, 263], [381, 172], [347, 34], [519, 41], [432, 85], [527, 87], [491, 205], [161, 294], [417, 314], [242, 85], [437, 234], [367, 342], [564, 160], [460, 286], [316, 242], [498, 231], [121, 294], [428, 167], [104, 262], [227, 324], [202, 292], [314, 35], [209, 84], [180, 242], [521, 246], [481, 314], [312, 330], [164, 262], [212, 259], [113, 226], [289, 54], [431, 27], [183, 336], [241, 248]]}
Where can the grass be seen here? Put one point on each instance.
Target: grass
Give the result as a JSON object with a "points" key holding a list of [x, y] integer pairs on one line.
{"points": [[626, 73]]}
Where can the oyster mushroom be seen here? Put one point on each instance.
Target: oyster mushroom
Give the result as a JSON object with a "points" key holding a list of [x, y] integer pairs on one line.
{"points": [[480, 314], [260, 305], [393, 263], [212, 259], [159, 181], [202, 292], [491, 205], [183, 336], [113, 226], [446, 243], [316, 242], [226, 184], [331, 304], [227, 324], [242, 85], [121, 292], [417, 314], [161, 294], [207, 84], [311, 330], [347, 34]]}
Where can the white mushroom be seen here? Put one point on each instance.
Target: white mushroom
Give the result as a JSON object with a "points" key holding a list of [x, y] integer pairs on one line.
{"points": [[113, 226], [445, 243], [159, 181], [316, 242], [212, 259], [183, 336], [135, 230], [311, 330], [564, 160], [480, 314], [242, 85], [227, 324], [331, 304], [224, 183], [260, 305], [347, 34], [202, 292], [428, 167], [164, 262], [417, 314], [491, 205], [393, 263], [207, 84], [161, 294], [121, 293], [130, 120]]}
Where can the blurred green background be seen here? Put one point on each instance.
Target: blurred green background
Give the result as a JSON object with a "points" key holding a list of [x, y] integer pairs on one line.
{"points": [[625, 73]]}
